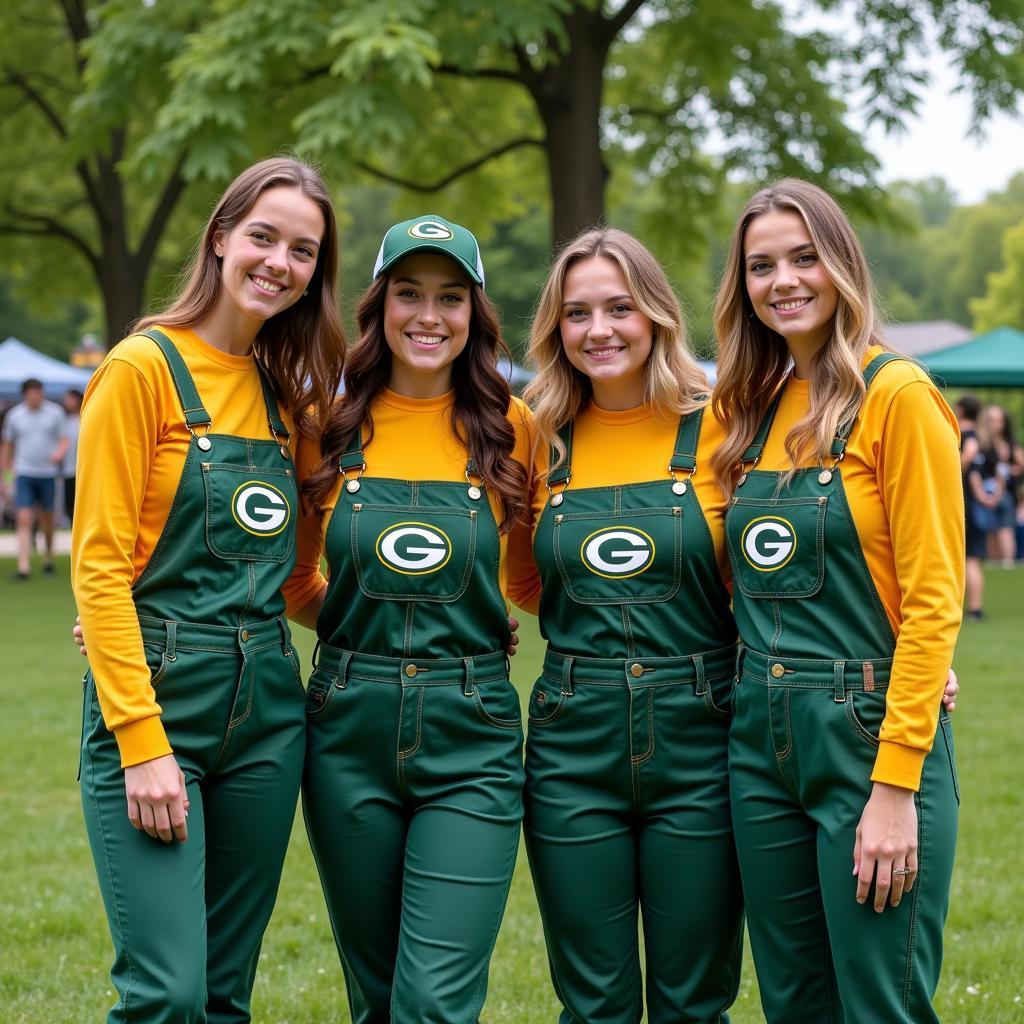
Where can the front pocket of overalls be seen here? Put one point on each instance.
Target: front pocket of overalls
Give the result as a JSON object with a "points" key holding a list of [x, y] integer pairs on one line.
{"points": [[249, 512], [156, 662], [546, 704], [497, 703], [946, 731], [418, 553], [719, 704], [865, 712], [320, 693], [630, 557], [777, 547]]}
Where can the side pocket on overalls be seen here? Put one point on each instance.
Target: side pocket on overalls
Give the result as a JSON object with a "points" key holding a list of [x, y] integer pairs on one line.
{"points": [[946, 728], [85, 719], [320, 693], [546, 704]]}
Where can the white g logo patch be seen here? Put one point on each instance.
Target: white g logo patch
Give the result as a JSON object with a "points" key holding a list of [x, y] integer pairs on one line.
{"points": [[431, 229], [414, 549], [768, 542], [260, 509], [616, 553]]}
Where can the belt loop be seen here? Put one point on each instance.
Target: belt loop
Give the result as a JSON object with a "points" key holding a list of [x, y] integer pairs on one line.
{"points": [[467, 685], [838, 671], [567, 662], [170, 651], [701, 687], [341, 677], [316, 651]]}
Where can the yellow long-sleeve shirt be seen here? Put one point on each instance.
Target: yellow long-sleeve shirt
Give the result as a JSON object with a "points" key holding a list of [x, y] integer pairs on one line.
{"points": [[901, 475], [131, 452], [413, 439], [631, 446]]}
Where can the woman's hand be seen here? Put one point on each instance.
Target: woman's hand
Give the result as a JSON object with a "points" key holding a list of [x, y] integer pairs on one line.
{"points": [[76, 632], [886, 846], [949, 694], [513, 640], [157, 798]]}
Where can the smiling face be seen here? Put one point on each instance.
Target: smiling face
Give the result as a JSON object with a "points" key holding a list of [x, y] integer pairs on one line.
{"points": [[428, 307], [604, 333], [267, 258], [789, 289]]}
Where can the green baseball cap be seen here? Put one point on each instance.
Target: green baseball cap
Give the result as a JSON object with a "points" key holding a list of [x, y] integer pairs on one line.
{"points": [[431, 233]]}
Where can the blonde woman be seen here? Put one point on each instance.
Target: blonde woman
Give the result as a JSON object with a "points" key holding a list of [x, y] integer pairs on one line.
{"points": [[845, 533], [627, 804]]}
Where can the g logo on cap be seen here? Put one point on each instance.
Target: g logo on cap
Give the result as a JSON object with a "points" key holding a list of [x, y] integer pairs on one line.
{"points": [[432, 230], [768, 542], [414, 549], [260, 509], [617, 553]]}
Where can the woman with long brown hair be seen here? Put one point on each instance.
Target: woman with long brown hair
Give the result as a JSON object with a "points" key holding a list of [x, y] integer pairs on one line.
{"points": [[183, 537], [845, 534], [412, 791]]}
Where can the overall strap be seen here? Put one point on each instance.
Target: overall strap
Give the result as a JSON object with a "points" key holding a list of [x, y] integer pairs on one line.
{"points": [[191, 404], [560, 475], [870, 372], [352, 457], [684, 455], [756, 447], [277, 427]]}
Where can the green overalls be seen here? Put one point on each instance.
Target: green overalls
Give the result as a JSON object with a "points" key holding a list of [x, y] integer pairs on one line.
{"points": [[187, 919], [816, 655], [627, 800], [413, 785]]}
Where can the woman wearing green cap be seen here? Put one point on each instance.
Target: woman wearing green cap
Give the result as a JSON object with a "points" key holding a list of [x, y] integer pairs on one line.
{"points": [[412, 790]]}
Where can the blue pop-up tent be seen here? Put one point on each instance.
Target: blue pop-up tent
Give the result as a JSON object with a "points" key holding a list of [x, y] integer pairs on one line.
{"points": [[19, 362]]}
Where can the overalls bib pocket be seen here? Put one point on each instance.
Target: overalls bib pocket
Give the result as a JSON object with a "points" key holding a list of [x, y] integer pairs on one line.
{"points": [[629, 557], [248, 512], [776, 546], [546, 704], [418, 553]]}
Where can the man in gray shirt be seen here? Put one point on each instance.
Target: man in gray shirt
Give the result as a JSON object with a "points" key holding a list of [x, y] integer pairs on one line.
{"points": [[35, 433]]}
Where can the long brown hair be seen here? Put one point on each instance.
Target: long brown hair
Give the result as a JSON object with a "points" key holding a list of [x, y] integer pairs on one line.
{"points": [[753, 360], [479, 413], [302, 348], [557, 394]]}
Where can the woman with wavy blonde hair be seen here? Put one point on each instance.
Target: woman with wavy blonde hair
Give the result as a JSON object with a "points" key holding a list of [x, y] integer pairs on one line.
{"points": [[845, 533], [627, 804]]}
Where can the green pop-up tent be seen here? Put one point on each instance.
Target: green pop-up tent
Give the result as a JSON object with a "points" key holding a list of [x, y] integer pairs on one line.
{"points": [[994, 360]]}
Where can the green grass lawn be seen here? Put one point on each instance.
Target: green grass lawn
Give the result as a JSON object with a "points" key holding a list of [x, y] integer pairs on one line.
{"points": [[54, 946]]}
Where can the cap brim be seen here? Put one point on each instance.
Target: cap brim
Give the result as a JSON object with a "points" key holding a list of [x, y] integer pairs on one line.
{"points": [[383, 265]]}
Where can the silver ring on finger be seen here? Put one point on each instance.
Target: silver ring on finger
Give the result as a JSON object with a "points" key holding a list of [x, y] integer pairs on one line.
{"points": [[901, 871]]}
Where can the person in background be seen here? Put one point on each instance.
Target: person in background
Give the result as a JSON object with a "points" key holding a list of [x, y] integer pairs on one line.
{"points": [[1009, 460], [35, 440], [72, 402], [967, 409]]}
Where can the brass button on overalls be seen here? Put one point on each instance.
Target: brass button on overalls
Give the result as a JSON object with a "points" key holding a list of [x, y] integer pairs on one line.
{"points": [[778, 671]]}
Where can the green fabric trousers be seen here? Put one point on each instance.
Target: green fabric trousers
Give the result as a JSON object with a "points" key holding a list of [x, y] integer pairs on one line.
{"points": [[622, 816], [413, 801], [800, 762], [187, 919]]}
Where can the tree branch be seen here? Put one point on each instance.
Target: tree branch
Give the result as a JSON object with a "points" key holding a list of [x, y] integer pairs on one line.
{"points": [[16, 78], [503, 74], [620, 19], [161, 213], [40, 224], [418, 186]]}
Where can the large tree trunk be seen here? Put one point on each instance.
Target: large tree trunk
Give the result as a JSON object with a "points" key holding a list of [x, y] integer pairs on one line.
{"points": [[568, 97], [122, 283]]}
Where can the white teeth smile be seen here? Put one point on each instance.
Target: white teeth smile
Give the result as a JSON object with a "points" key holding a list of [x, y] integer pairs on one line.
{"points": [[791, 304], [427, 339], [604, 353], [266, 285]]}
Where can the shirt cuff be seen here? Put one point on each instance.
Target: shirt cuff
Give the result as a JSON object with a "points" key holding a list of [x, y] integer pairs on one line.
{"points": [[142, 740], [898, 765]]}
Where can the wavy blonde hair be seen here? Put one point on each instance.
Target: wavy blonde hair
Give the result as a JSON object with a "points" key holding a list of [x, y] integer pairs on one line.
{"points": [[559, 392], [753, 361]]}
